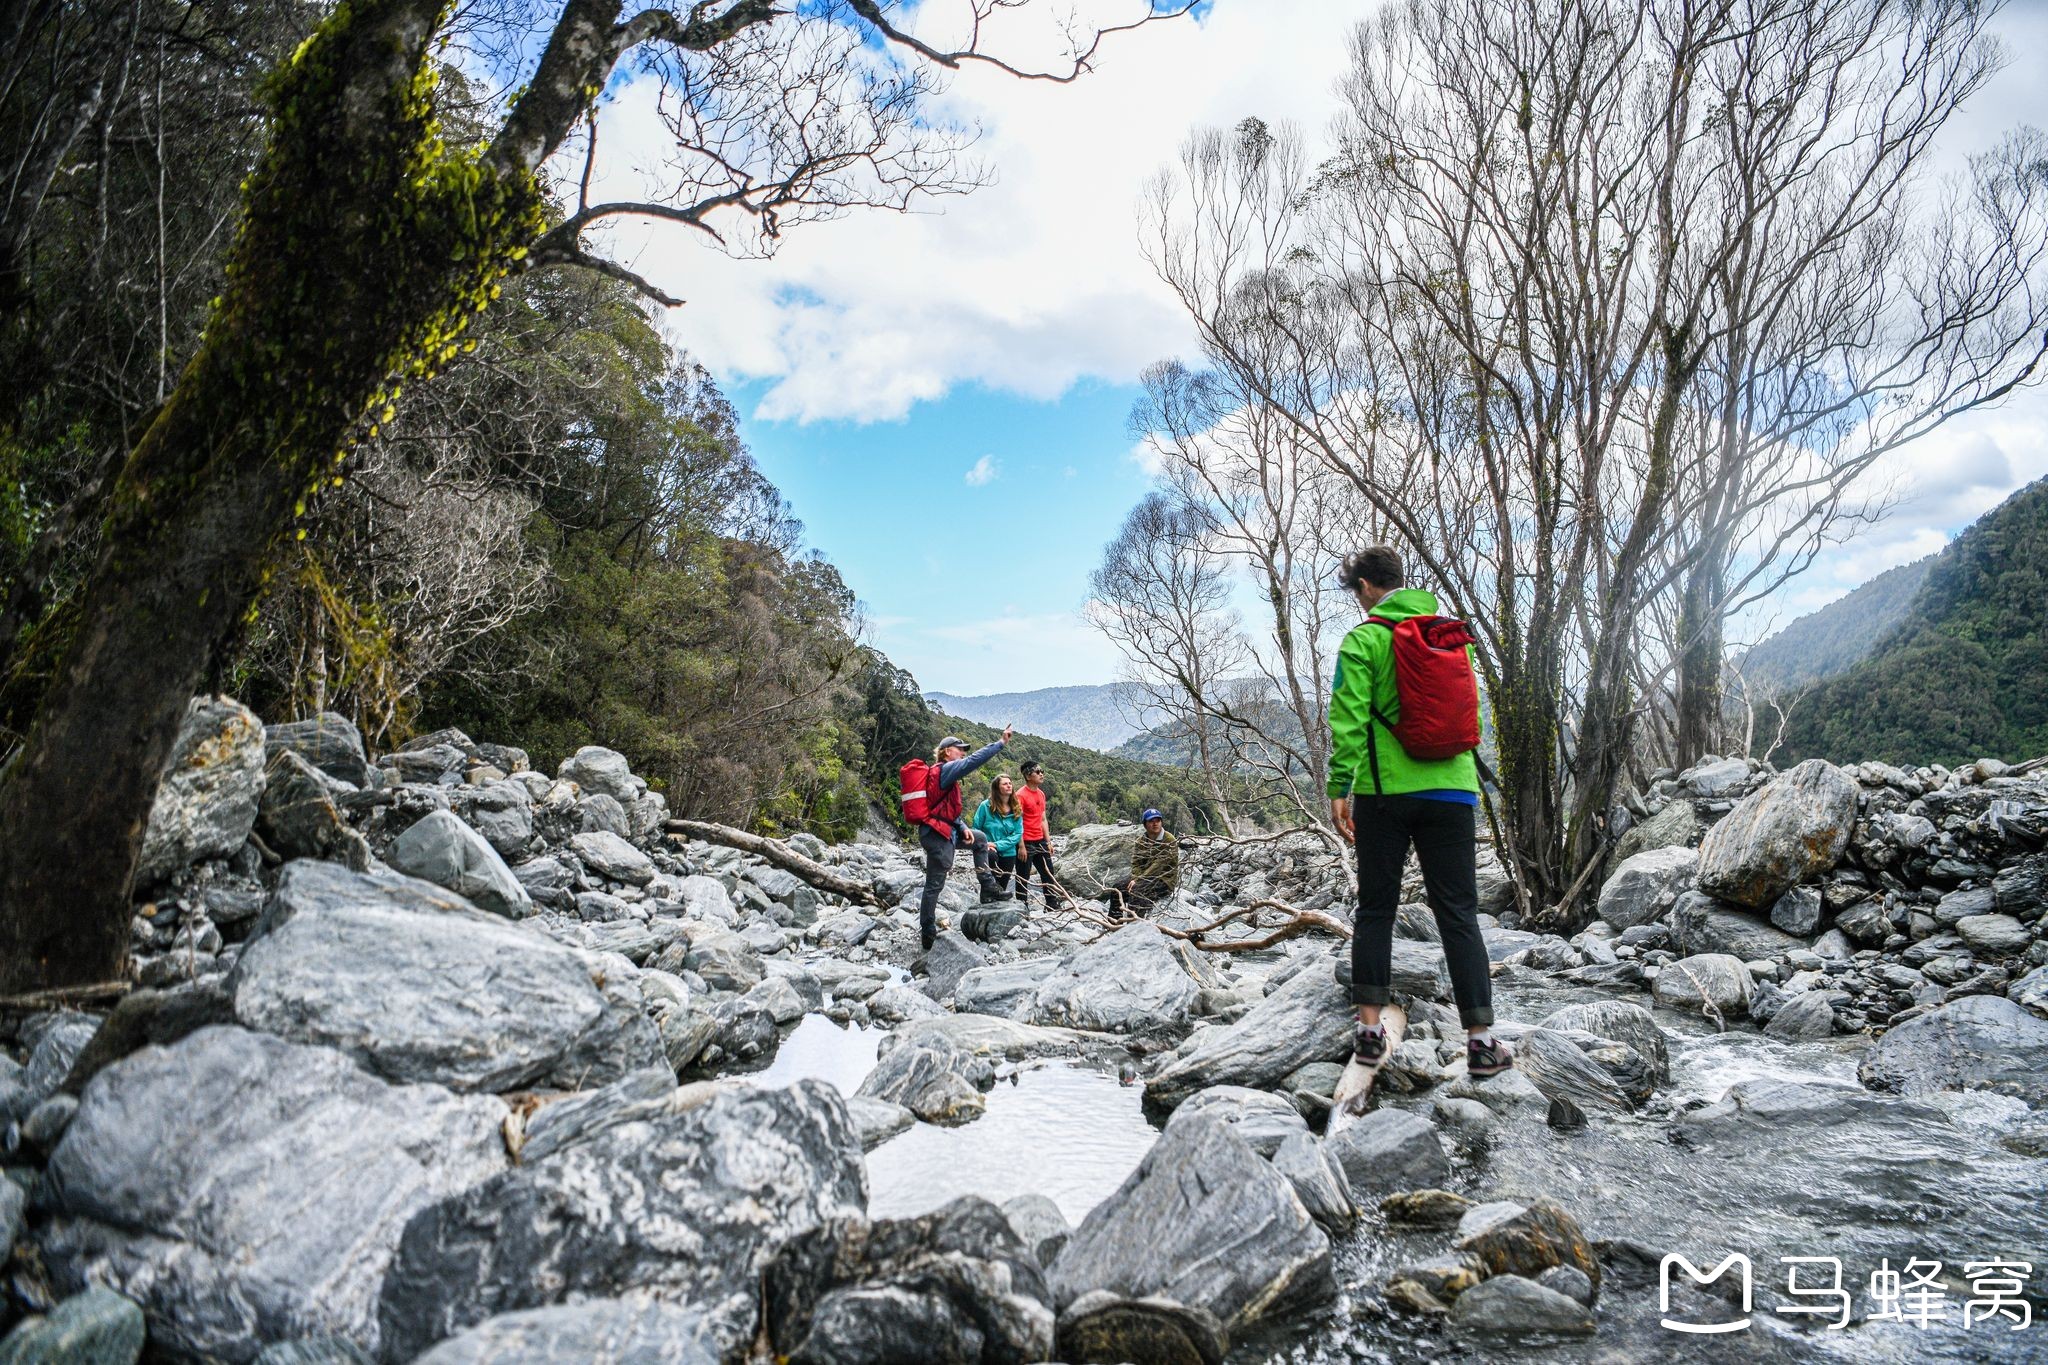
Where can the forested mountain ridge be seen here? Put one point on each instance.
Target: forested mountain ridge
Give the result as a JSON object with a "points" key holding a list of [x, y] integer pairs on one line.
{"points": [[1096, 716], [1965, 674], [1823, 643]]}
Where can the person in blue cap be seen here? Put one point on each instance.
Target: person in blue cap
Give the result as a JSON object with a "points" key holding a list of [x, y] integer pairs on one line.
{"points": [[1155, 871]]}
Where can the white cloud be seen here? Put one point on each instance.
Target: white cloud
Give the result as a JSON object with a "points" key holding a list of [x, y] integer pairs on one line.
{"points": [[1025, 286], [985, 470]]}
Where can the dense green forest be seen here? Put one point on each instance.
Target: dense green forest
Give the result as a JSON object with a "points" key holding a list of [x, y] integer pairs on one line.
{"points": [[1823, 643], [1965, 674]]}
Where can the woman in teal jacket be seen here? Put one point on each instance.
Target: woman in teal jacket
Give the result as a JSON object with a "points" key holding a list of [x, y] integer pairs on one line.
{"points": [[1000, 819]]}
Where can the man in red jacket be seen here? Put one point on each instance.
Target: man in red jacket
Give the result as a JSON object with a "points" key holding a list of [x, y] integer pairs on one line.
{"points": [[1038, 840]]}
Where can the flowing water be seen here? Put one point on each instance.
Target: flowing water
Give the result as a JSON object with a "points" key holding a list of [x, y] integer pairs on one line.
{"points": [[1842, 1173]]}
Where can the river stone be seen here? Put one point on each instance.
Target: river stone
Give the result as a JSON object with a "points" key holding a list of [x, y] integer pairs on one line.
{"points": [[1008, 989], [1569, 1281], [984, 1035], [244, 1189], [578, 1117], [1798, 911], [991, 923], [1791, 829], [953, 1285], [597, 769], [1097, 856], [898, 1004], [298, 818], [951, 957], [1041, 1225], [612, 858], [1526, 1239], [1262, 1118], [705, 898], [1678, 825], [685, 1207], [13, 1207], [57, 1046], [1199, 1190], [939, 1081], [1127, 982], [1319, 1185], [877, 1120], [1994, 935], [414, 983], [210, 789], [629, 1331], [1715, 777], [1624, 1021], [1713, 984], [597, 813], [314, 1351], [503, 813], [1306, 1020], [1700, 924], [1154, 1331], [1805, 1018], [726, 961], [1980, 1042], [1510, 1307], [847, 929], [1562, 1071], [330, 742], [2031, 991], [440, 849], [1385, 1151], [96, 1327], [1644, 887], [2021, 886], [1429, 1287]]}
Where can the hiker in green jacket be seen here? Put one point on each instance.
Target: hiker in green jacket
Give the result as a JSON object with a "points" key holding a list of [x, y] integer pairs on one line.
{"points": [[1384, 800]]}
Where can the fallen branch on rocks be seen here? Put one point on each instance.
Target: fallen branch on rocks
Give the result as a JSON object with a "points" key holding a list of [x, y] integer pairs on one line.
{"points": [[67, 997], [1296, 923], [776, 852]]}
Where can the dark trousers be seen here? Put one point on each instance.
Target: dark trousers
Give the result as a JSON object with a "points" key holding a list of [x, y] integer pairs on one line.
{"points": [[938, 862], [1004, 865], [1443, 836], [1135, 896], [1038, 864]]}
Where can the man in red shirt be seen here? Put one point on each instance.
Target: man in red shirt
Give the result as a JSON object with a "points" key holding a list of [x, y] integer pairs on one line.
{"points": [[1038, 840]]}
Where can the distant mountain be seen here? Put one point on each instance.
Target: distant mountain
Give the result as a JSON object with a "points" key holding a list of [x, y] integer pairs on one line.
{"points": [[1839, 635], [1098, 717], [1964, 673]]}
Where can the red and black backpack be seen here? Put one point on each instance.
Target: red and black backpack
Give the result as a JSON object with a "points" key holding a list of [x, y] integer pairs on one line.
{"points": [[1439, 693], [924, 803]]}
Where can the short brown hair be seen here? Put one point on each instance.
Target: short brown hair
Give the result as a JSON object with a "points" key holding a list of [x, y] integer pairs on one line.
{"points": [[1378, 565]]}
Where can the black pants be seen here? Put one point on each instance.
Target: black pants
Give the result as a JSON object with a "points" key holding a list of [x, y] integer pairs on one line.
{"points": [[1442, 833], [938, 863], [1004, 865], [1038, 863], [1136, 896]]}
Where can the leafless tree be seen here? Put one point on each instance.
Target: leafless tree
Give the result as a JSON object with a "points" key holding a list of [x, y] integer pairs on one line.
{"points": [[1600, 303]]}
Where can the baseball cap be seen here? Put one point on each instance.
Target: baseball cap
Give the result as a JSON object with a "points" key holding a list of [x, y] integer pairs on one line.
{"points": [[1150, 815], [952, 742]]}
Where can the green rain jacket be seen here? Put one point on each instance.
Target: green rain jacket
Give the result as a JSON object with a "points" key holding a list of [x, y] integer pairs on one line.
{"points": [[1364, 755]]}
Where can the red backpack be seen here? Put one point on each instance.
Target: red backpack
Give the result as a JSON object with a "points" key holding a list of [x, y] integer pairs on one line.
{"points": [[923, 803], [1439, 694]]}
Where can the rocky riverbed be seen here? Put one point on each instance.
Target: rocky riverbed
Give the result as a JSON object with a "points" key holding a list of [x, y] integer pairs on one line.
{"points": [[435, 1057]]}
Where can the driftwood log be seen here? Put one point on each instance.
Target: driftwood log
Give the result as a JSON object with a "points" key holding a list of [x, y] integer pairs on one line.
{"points": [[776, 852]]}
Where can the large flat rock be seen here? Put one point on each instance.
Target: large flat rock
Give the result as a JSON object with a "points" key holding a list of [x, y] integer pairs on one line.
{"points": [[1307, 1020]]}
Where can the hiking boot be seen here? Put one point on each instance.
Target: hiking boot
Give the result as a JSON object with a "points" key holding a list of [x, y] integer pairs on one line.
{"points": [[988, 892], [1487, 1057], [1368, 1044]]}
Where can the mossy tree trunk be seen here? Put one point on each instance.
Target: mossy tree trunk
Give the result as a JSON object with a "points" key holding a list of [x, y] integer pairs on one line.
{"points": [[366, 245]]}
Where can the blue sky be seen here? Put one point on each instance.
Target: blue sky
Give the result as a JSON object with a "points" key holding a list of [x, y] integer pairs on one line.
{"points": [[875, 360], [1011, 499]]}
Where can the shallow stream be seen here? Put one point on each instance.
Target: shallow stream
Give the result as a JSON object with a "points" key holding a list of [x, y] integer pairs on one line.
{"points": [[1840, 1173]]}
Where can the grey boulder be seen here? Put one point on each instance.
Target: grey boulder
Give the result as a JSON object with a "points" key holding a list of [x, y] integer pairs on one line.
{"points": [[1263, 1119], [1700, 924], [298, 817], [1641, 889], [244, 1189], [330, 742], [211, 787], [1791, 829], [440, 849], [612, 858], [598, 769], [685, 1207], [1805, 1018], [954, 1285], [622, 1331], [421, 986], [1713, 984], [1980, 1042], [1385, 1151], [1510, 1307], [1623, 1021], [96, 1327], [934, 1078], [1308, 1019], [1201, 1189], [1127, 982], [1008, 989]]}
